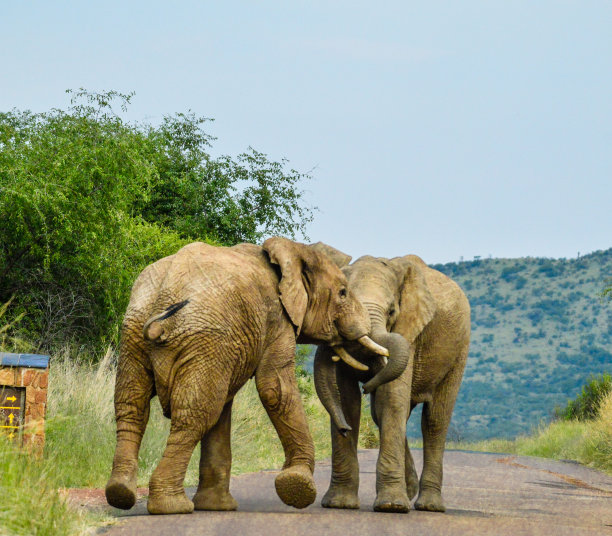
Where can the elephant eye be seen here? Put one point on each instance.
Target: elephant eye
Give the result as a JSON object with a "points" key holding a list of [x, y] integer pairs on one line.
{"points": [[342, 293], [391, 311]]}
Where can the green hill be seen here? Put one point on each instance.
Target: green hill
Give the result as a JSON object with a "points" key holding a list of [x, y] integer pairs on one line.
{"points": [[539, 329]]}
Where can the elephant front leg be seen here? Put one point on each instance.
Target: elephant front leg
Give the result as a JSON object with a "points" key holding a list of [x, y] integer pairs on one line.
{"points": [[392, 403], [277, 388], [215, 465], [343, 490], [133, 391]]}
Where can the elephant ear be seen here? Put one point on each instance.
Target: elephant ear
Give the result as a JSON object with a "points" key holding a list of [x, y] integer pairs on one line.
{"points": [[417, 306], [288, 256], [337, 257]]}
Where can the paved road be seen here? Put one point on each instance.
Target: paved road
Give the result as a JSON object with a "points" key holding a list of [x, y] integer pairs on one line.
{"points": [[485, 494]]}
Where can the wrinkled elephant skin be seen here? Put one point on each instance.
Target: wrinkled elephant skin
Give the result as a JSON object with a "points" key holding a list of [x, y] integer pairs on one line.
{"points": [[199, 324], [423, 318]]}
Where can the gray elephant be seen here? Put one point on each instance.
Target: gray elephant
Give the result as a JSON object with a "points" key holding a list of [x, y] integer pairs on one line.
{"points": [[199, 324], [423, 318]]}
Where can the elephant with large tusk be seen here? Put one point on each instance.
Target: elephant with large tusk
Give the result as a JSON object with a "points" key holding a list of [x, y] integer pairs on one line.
{"points": [[199, 324], [422, 318]]}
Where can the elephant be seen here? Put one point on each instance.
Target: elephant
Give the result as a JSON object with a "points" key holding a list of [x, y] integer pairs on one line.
{"points": [[199, 324], [423, 318]]}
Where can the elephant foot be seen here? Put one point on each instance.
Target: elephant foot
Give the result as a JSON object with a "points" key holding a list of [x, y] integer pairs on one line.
{"points": [[121, 491], [214, 499], [338, 497], [295, 486], [392, 500], [430, 501], [169, 504]]}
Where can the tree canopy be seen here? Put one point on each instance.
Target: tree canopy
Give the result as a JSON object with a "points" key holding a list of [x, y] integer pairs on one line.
{"points": [[88, 199]]}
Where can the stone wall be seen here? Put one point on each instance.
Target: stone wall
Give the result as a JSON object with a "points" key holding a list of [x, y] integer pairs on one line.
{"points": [[35, 381]]}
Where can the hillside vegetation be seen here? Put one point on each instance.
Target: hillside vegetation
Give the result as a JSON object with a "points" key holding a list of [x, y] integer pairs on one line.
{"points": [[585, 440], [539, 330]]}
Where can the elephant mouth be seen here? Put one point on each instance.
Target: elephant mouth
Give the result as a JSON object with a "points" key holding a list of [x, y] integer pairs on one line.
{"points": [[340, 353]]}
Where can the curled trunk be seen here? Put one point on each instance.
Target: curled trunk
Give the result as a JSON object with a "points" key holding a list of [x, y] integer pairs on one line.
{"points": [[399, 357], [326, 385], [325, 370]]}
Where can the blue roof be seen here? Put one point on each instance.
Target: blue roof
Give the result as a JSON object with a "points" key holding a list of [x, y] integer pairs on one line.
{"points": [[24, 360]]}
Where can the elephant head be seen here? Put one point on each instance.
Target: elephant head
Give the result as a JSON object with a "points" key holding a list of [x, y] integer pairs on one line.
{"points": [[315, 295], [400, 305]]}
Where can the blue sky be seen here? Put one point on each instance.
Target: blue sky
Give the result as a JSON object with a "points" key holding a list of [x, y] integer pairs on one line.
{"points": [[445, 129]]}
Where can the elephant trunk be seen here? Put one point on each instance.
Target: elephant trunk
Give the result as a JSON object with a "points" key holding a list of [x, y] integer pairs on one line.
{"points": [[399, 357], [326, 385]]}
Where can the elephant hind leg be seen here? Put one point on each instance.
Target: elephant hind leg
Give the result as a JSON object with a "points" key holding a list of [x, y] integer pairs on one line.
{"points": [[133, 391], [412, 479], [215, 466], [435, 420], [195, 410]]}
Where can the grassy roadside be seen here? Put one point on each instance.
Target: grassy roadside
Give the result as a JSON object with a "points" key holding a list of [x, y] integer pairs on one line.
{"points": [[588, 442], [81, 437], [31, 503], [80, 441]]}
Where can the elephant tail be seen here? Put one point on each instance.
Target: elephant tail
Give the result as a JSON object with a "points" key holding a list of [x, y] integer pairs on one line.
{"points": [[153, 328]]}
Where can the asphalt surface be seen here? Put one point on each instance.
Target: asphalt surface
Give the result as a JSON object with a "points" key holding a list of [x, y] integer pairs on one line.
{"points": [[485, 494]]}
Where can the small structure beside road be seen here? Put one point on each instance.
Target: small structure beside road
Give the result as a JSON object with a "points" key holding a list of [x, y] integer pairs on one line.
{"points": [[24, 379]]}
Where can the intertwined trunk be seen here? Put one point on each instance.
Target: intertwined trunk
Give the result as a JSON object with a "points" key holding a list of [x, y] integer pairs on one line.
{"points": [[325, 369]]}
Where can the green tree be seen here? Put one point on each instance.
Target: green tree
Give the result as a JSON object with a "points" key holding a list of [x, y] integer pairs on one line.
{"points": [[88, 199]]}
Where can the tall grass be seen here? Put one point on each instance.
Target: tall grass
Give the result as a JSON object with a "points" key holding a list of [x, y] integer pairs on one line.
{"points": [[81, 425], [30, 501]]}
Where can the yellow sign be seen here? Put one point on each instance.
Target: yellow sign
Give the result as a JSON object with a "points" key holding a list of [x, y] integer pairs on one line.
{"points": [[11, 409]]}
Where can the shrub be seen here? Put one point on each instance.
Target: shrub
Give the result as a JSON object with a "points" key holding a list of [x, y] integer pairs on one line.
{"points": [[586, 405], [88, 200]]}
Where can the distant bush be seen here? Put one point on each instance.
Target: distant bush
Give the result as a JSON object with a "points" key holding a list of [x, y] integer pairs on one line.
{"points": [[586, 405], [551, 268], [508, 272], [520, 282]]}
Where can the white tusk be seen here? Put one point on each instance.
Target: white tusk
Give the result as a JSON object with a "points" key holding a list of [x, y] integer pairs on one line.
{"points": [[348, 359], [335, 358], [372, 346]]}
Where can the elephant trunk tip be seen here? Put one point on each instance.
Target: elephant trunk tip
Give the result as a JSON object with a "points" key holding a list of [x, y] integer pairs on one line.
{"points": [[367, 389]]}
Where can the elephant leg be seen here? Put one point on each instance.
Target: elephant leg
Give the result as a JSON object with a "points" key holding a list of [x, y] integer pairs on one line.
{"points": [[412, 479], [434, 425], [134, 388], [392, 406], [344, 487], [197, 400], [215, 465], [278, 391]]}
